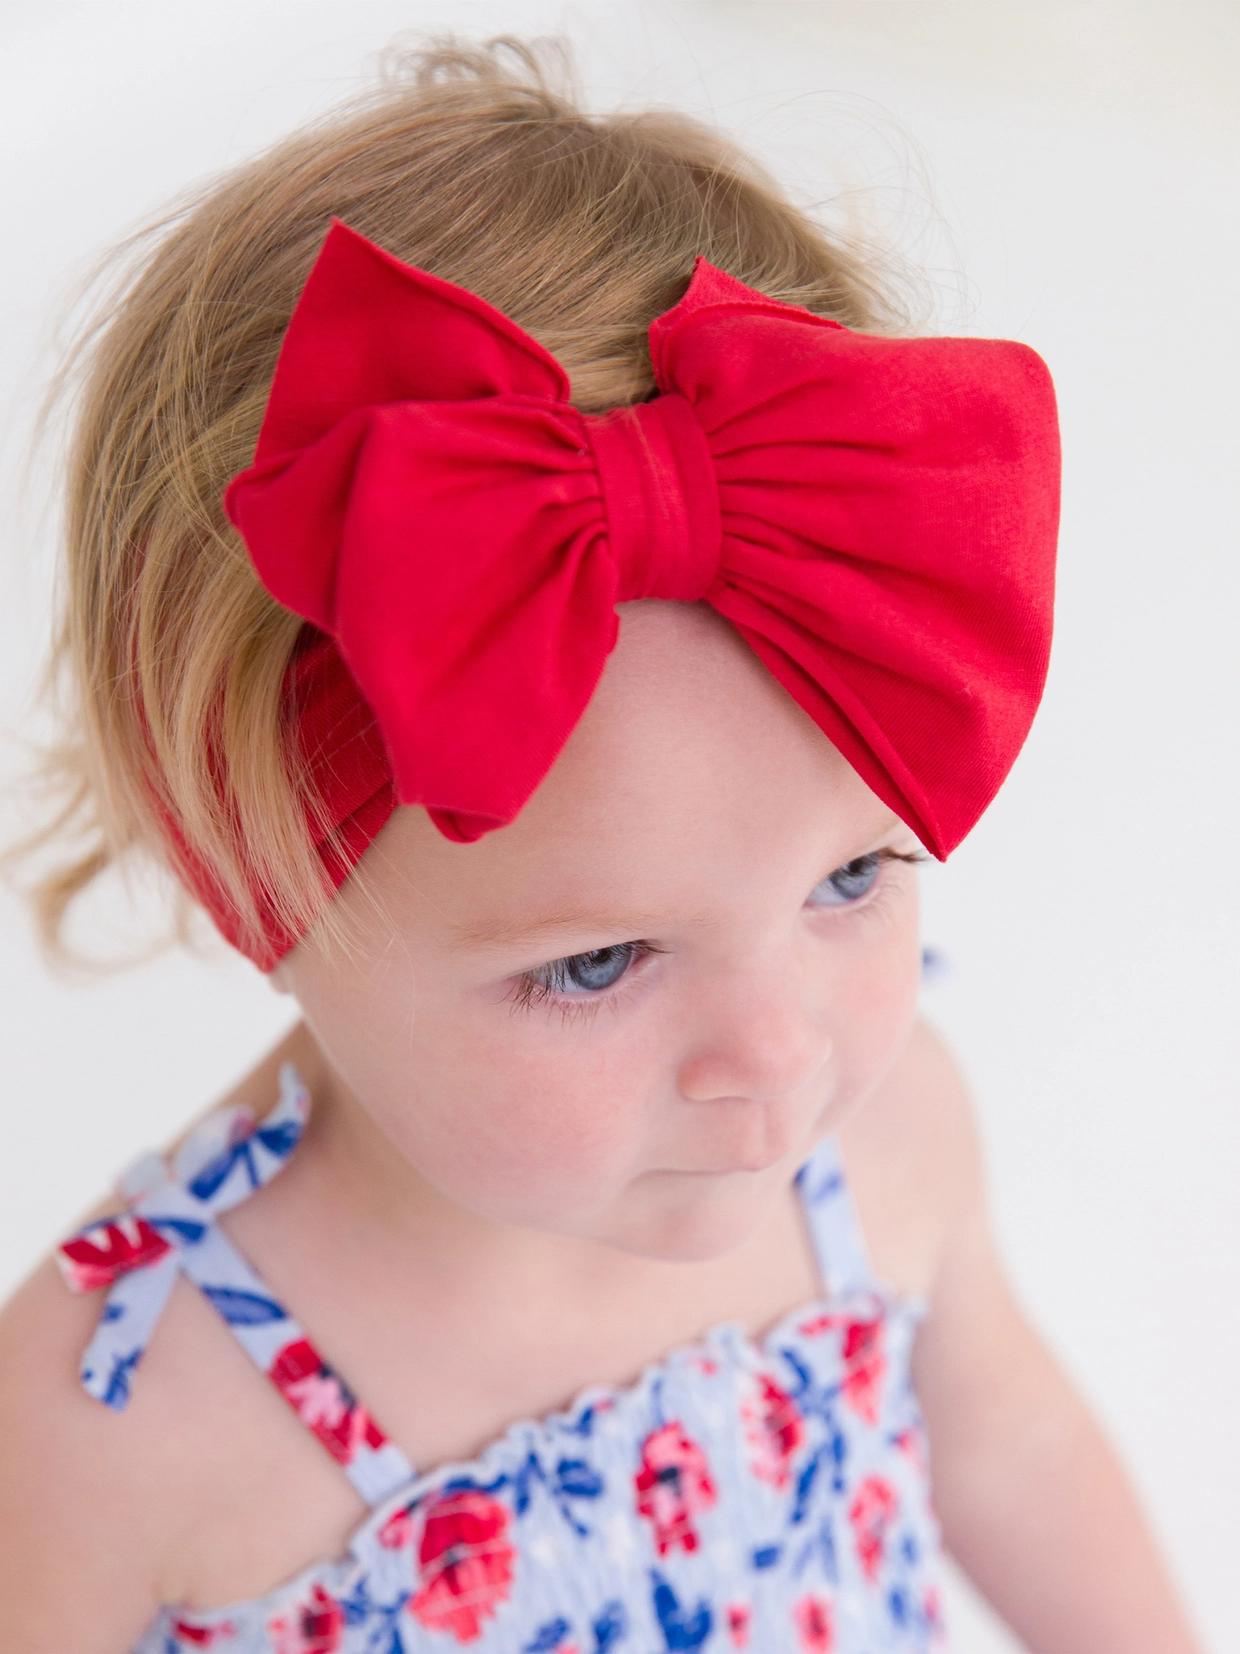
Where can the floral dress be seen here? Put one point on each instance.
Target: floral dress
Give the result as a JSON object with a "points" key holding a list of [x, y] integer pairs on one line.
{"points": [[768, 1496]]}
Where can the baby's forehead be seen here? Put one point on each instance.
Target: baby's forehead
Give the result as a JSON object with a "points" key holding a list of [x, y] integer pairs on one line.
{"points": [[685, 707], [691, 770]]}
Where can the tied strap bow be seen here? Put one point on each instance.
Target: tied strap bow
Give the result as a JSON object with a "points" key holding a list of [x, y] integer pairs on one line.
{"points": [[169, 1229], [172, 1205]]}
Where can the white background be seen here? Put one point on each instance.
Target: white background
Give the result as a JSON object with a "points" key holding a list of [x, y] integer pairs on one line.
{"points": [[1076, 162]]}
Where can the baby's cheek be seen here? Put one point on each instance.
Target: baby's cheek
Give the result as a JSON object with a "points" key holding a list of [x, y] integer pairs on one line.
{"points": [[527, 1137], [873, 1008]]}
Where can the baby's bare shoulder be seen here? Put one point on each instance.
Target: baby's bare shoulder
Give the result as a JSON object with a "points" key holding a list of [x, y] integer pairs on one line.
{"points": [[913, 1161]]}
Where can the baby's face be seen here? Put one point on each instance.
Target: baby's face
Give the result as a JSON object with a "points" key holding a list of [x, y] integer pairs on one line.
{"points": [[630, 1015]]}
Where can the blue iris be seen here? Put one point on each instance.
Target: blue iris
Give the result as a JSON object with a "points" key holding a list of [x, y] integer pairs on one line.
{"points": [[847, 884], [590, 973]]}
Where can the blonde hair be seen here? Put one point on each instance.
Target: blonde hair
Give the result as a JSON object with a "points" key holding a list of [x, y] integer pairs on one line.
{"points": [[471, 162]]}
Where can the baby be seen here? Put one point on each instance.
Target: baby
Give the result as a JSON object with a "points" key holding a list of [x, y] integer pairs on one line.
{"points": [[530, 595]]}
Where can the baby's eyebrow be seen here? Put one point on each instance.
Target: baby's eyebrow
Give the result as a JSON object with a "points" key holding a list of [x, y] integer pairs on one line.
{"points": [[502, 933]]}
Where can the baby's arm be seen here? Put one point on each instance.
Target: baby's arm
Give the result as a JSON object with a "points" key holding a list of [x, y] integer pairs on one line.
{"points": [[1033, 1502], [79, 1520]]}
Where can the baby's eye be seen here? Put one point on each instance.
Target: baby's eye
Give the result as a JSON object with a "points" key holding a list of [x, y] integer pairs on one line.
{"points": [[587, 973], [847, 884]]}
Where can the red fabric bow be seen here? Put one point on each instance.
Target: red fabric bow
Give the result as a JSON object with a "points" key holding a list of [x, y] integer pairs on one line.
{"points": [[875, 516]]}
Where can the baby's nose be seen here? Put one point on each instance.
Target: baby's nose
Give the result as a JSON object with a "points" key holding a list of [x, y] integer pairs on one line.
{"points": [[760, 1041]]}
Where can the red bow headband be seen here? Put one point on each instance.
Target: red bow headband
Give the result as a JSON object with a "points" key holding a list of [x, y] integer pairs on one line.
{"points": [[875, 516]]}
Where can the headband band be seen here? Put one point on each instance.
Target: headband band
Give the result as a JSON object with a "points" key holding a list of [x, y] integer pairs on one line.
{"points": [[876, 517]]}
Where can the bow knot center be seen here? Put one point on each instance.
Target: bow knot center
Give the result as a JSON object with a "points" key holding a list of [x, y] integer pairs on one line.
{"points": [[661, 499]]}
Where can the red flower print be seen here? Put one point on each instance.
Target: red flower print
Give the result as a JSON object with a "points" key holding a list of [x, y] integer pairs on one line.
{"points": [[774, 1430], [739, 1616], [673, 1483], [396, 1534], [316, 1627], [815, 1624], [108, 1250], [323, 1402], [201, 1636], [865, 1365], [871, 1513], [465, 1562], [861, 1351]]}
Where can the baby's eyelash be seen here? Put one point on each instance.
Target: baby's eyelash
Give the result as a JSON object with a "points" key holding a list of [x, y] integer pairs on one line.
{"points": [[530, 990], [569, 1011]]}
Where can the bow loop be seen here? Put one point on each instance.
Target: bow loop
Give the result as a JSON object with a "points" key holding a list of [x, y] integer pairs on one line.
{"points": [[889, 511], [369, 331]]}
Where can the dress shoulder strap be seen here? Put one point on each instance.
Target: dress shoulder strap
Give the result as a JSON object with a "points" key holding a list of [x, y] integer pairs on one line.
{"points": [[168, 1228], [843, 1258]]}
